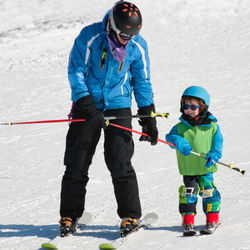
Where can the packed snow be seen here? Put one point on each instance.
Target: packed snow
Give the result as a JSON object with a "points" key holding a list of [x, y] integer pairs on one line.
{"points": [[190, 42]]}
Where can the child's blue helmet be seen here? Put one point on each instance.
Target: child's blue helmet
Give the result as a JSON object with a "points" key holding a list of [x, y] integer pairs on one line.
{"points": [[198, 92]]}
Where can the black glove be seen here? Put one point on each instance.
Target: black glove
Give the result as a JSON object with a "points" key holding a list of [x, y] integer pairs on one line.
{"points": [[85, 107], [148, 125]]}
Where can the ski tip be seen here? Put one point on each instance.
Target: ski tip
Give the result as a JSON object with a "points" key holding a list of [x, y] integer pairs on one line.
{"points": [[106, 246], [46, 246], [151, 215], [150, 219], [85, 218]]}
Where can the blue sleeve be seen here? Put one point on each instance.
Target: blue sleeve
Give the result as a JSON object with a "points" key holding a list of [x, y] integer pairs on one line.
{"points": [[172, 136], [180, 142], [217, 143], [77, 67], [140, 70]]}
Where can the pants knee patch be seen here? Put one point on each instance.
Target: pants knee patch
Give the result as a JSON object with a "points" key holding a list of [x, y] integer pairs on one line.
{"points": [[207, 186], [206, 193], [187, 200], [212, 204]]}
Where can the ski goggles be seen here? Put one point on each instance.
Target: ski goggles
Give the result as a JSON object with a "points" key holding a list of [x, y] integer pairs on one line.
{"points": [[192, 107], [125, 36]]}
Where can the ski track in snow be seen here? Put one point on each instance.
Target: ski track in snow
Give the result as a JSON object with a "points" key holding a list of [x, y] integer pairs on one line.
{"points": [[190, 42]]}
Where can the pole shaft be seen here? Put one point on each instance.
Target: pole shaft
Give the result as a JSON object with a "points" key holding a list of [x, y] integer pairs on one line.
{"points": [[152, 115], [171, 144]]}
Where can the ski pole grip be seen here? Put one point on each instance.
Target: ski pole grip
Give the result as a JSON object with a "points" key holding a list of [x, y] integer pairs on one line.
{"points": [[153, 114], [242, 171]]}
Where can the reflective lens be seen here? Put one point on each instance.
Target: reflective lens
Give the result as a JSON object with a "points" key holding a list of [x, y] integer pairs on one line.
{"points": [[125, 36], [192, 107]]}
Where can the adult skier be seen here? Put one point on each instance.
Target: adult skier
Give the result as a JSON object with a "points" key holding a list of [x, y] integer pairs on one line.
{"points": [[109, 60]]}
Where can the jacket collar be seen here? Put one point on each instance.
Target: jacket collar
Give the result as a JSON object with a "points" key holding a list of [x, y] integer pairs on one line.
{"points": [[210, 116]]}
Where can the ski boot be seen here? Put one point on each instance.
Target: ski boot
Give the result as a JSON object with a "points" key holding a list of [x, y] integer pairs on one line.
{"points": [[67, 226], [211, 224], [188, 225], [128, 225]]}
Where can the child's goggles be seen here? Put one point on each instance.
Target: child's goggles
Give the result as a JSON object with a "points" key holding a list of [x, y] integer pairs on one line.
{"points": [[192, 107]]}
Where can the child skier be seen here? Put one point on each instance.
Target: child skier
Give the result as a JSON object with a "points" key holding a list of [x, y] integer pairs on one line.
{"points": [[197, 131]]}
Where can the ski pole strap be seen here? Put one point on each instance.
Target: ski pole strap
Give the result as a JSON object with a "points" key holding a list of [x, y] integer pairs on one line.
{"points": [[230, 165]]}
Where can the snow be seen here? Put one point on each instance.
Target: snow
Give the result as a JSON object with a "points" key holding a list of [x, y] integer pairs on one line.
{"points": [[190, 42]]}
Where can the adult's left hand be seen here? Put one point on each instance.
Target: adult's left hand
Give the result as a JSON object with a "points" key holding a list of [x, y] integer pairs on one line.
{"points": [[148, 125]]}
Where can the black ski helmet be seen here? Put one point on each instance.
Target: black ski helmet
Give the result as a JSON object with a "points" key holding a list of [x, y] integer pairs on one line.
{"points": [[125, 18]]}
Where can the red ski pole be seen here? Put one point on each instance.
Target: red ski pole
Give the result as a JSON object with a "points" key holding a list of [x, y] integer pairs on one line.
{"points": [[140, 133], [242, 171], [48, 121], [153, 114]]}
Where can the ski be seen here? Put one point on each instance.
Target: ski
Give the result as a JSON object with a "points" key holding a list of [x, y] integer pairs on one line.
{"points": [[147, 222], [83, 221], [209, 230]]}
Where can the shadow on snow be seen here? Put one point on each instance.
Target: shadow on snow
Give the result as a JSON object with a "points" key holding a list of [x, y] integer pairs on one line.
{"points": [[51, 231]]}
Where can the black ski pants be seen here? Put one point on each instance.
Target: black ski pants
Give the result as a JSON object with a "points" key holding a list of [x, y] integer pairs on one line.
{"points": [[81, 143]]}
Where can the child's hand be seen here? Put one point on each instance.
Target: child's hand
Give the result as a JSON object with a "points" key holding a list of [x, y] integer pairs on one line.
{"points": [[183, 146], [211, 158]]}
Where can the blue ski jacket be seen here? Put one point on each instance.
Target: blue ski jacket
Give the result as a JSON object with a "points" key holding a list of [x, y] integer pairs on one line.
{"points": [[92, 70]]}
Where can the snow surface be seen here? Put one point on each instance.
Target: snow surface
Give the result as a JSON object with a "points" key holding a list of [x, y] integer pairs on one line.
{"points": [[190, 42]]}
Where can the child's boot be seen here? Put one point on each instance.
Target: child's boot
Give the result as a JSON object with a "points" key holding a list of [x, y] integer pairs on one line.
{"points": [[188, 225], [211, 224]]}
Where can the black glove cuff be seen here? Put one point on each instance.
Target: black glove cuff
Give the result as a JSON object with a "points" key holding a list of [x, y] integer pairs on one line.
{"points": [[146, 110], [149, 121], [85, 105]]}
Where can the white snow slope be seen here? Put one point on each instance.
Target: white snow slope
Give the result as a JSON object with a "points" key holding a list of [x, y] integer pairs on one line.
{"points": [[190, 42]]}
